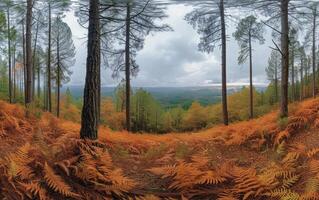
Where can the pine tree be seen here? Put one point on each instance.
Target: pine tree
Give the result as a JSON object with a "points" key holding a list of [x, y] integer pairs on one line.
{"points": [[210, 20], [53, 7], [273, 71], [293, 54], [64, 53], [248, 31]]}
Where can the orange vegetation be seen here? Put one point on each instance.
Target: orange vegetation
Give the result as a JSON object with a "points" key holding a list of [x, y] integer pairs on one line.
{"points": [[265, 158]]}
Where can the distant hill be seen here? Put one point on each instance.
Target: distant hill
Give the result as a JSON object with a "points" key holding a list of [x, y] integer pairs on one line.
{"points": [[172, 96]]}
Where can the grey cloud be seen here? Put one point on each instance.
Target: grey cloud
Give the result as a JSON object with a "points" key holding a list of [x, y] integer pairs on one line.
{"points": [[173, 59]]}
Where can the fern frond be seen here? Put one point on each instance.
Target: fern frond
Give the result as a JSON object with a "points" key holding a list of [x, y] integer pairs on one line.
{"points": [[312, 186], [290, 160], [311, 153], [281, 136], [290, 181], [67, 164], [281, 148], [283, 194], [164, 172], [246, 182], [36, 190], [285, 169], [56, 183], [17, 162], [185, 176], [297, 122], [26, 172], [200, 160], [210, 177], [119, 180], [314, 166], [310, 196]]}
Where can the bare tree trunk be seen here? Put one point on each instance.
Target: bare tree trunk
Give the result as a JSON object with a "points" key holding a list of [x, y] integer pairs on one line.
{"points": [[29, 52], [301, 78], [19, 80], [39, 79], [9, 55], [224, 79], [45, 94], [14, 72], [90, 111], [49, 103], [285, 58], [128, 69], [58, 75], [276, 80], [123, 101], [24, 62], [251, 113], [293, 73], [33, 58]]}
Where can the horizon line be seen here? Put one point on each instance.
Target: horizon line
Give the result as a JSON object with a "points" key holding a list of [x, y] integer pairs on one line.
{"points": [[181, 86]]}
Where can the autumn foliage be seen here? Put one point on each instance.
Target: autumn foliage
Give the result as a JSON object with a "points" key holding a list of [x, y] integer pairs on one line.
{"points": [[265, 158]]}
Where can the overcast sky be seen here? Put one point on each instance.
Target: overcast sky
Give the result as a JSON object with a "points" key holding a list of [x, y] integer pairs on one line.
{"points": [[173, 59]]}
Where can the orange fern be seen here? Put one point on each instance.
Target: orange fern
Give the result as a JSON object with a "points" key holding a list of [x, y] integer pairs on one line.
{"points": [[56, 183]]}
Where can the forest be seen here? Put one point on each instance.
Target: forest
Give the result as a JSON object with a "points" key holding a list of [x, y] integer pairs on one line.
{"points": [[242, 144]]}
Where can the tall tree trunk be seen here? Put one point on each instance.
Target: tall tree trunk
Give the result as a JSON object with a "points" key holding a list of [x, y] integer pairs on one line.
{"points": [[251, 113], [285, 58], [224, 79], [49, 103], [90, 111], [19, 77], [137, 121], [39, 78], [58, 75], [128, 69], [301, 78], [293, 73], [9, 55], [45, 94], [14, 71], [33, 58], [29, 52], [24, 62], [123, 101], [276, 80]]}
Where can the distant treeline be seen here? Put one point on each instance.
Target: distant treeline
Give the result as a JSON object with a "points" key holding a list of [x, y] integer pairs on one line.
{"points": [[170, 97]]}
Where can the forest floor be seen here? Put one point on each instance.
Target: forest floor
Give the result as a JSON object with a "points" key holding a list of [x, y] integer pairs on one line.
{"points": [[265, 158]]}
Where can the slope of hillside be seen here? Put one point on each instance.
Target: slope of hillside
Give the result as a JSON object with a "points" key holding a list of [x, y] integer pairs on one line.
{"points": [[264, 158]]}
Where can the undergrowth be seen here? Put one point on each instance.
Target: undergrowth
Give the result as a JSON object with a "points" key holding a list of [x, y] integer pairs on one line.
{"points": [[44, 159]]}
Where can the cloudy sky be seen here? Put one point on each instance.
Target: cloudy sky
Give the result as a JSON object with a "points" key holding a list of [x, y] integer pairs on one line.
{"points": [[172, 58]]}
